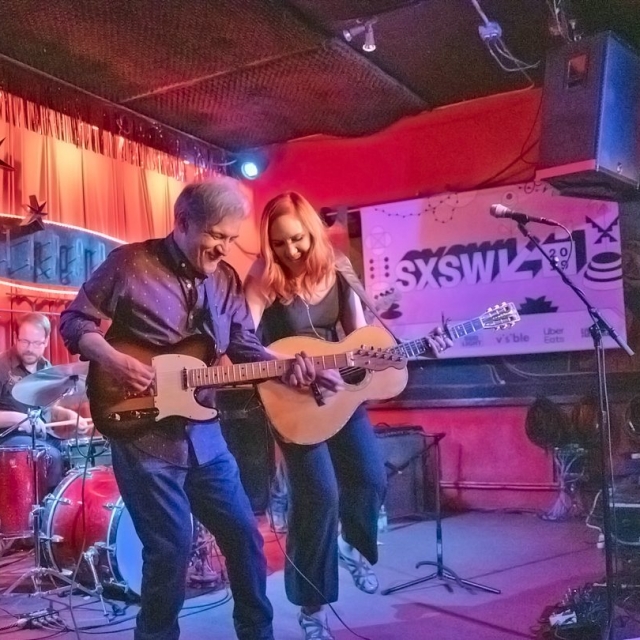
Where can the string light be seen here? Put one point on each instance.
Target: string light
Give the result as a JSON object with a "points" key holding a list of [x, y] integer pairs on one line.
{"points": [[69, 226], [18, 285]]}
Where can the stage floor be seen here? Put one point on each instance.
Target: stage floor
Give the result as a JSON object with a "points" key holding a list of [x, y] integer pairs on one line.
{"points": [[532, 561]]}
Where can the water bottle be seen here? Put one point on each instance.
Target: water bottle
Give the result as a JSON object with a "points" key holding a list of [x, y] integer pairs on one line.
{"points": [[383, 524]]}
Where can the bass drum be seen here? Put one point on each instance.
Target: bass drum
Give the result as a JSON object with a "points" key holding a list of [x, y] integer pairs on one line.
{"points": [[101, 533]]}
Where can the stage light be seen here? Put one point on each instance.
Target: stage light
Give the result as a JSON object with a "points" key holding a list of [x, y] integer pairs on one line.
{"points": [[369, 43], [369, 40], [248, 165], [249, 169], [350, 34]]}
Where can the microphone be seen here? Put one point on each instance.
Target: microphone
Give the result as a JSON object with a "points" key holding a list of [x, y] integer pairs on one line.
{"points": [[500, 211]]}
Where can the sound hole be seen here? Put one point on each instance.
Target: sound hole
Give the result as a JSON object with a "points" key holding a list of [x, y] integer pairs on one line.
{"points": [[353, 375]]}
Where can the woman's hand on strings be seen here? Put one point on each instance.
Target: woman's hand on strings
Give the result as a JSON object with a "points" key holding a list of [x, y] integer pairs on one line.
{"points": [[301, 373], [439, 341]]}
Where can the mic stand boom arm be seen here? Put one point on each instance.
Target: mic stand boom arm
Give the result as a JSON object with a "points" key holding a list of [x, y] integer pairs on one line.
{"points": [[603, 326], [599, 328]]}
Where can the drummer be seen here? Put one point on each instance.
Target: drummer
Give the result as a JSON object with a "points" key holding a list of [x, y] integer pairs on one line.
{"points": [[25, 357]]}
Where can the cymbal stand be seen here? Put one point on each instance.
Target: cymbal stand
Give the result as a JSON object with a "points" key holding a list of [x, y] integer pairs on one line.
{"points": [[442, 572], [13, 427], [38, 572]]}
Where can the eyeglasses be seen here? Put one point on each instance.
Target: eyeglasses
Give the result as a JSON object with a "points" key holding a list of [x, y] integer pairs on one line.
{"points": [[38, 344]]}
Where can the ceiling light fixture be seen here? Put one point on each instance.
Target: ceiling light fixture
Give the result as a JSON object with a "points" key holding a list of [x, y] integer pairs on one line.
{"points": [[369, 44], [248, 165], [369, 39]]}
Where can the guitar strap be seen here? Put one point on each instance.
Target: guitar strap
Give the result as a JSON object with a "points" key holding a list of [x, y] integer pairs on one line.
{"points": [[211, 306], [343, 265]]}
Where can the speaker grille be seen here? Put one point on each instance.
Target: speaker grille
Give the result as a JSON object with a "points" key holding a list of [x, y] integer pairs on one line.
{"points": [[589, 144]]}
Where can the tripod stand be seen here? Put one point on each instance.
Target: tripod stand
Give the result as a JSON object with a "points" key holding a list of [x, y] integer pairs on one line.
{"points": [[38, 572], [442, 572]]}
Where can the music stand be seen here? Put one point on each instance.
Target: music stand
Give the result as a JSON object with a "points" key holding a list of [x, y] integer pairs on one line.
{"points": [[442, 572]]}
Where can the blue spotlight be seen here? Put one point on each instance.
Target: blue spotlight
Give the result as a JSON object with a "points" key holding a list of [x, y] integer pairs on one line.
{"points": [[249, 169], [248, 165]]}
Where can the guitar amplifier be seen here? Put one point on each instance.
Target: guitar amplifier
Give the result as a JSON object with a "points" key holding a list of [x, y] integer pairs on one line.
{"points": [[410, 468]]}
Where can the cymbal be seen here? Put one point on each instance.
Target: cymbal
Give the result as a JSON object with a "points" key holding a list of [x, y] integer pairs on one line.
{"points": [[44, 387]]}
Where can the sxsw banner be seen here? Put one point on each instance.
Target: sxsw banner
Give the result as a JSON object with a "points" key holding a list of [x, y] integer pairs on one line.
{"points": [[447, 256]]}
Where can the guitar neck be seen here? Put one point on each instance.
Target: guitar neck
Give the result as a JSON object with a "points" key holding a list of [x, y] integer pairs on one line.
{"points": [[252, 371], [421, 345]]}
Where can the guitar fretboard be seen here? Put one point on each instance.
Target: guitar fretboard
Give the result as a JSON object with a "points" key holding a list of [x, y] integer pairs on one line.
{"points": [[417, 347], [249, 371]]}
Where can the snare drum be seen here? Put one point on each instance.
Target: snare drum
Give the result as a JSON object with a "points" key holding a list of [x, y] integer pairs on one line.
{"points": [[17, 492], [109, 531]]}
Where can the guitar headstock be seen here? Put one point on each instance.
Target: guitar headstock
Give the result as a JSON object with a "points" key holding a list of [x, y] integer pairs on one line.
{"points": [[376, 359], [502, 316]]}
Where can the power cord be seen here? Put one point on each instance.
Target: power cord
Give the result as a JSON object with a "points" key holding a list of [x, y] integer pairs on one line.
{"points": [[491, 34]]}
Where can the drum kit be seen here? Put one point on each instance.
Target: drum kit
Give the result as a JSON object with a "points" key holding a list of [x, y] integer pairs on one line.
{"points": [[82, 533]]}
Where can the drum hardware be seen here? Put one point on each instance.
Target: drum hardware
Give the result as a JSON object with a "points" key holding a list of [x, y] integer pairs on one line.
{"points": [[52, 498], [77, 451], [53, 538], [106, 533], [90, 556], [38, 572], [201, 572]]}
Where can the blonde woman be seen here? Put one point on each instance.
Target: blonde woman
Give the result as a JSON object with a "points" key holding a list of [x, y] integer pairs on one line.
{"points": [[297, 289]]}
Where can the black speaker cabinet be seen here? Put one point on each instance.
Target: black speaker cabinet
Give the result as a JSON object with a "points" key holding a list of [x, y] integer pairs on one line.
{"points": [[245, 428], [410, 472], [590, 132]]}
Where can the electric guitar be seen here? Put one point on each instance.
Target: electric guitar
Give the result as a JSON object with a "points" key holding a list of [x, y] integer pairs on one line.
{"points": [[181, 369], [300, 417]]}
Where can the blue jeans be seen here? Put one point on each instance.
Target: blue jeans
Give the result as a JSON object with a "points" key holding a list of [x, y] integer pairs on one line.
{"points": [[160, 498], [341, 479]]}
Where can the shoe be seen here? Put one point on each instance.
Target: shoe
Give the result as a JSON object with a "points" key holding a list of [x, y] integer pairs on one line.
{"points": [[360, 569], [315, 626]]}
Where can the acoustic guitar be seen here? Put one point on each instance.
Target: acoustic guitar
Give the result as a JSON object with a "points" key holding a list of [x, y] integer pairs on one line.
{"points": [[301, 417]]}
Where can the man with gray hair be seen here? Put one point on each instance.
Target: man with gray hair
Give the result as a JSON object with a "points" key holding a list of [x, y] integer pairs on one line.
{"points": [[158, 293]]}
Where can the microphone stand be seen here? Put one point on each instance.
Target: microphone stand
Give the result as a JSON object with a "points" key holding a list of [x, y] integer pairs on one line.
{"points": [[598, 329]]}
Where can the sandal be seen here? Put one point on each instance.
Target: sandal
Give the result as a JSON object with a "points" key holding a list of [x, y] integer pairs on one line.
{"points": [[315, 627], [361, 572]]}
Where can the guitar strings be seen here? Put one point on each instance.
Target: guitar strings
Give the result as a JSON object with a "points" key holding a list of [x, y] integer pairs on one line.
{"points": [[342, 370]]}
